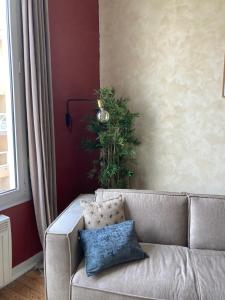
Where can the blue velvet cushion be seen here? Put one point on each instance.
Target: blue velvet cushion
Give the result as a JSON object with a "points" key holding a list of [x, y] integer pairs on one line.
{"points": [[109, 246]]}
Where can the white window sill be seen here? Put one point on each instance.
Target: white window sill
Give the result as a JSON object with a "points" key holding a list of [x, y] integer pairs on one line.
{"points": [[13, 198]]}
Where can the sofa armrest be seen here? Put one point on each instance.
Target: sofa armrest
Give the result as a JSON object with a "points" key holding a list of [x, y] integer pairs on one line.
{"points": [[62, 253]]}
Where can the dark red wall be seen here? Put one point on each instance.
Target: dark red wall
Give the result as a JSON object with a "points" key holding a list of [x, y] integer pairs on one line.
{"points": [[74, 37], [25, 240]]}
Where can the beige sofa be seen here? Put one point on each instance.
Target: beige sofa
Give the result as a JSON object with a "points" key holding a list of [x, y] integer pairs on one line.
{"points": [[183, 234]]}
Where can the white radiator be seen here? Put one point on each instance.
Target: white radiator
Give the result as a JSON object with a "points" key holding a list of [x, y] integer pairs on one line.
{"points": [[5, 251]]}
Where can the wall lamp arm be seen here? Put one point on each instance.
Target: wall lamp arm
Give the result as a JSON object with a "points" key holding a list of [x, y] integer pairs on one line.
{"points": [[68, 117]]}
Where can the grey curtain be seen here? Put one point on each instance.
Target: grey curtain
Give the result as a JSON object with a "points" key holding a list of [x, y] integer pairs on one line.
{"points": [[39, 107]]}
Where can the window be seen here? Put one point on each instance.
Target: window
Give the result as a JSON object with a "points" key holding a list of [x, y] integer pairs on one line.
{"points": [[7, 157], [13, 155]]}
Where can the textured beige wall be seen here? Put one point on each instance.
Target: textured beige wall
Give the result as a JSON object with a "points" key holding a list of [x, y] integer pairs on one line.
{"points": [[167, 57]]}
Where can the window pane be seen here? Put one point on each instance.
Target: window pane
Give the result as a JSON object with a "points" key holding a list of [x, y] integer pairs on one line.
{"points": [[7, 153]]}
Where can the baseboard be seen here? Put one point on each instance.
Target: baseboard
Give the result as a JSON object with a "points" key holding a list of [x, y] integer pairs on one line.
{"points": [[27, 265]]}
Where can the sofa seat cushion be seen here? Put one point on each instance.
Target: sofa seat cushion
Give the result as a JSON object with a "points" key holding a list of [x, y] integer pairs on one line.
{"points": [[166, 275], [209, 268]]}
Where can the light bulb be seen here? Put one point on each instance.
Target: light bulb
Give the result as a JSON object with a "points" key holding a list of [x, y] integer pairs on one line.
{"points": [[102, 115]]}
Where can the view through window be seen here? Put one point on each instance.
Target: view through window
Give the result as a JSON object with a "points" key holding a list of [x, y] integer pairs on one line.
{"points": [[7, 151]]}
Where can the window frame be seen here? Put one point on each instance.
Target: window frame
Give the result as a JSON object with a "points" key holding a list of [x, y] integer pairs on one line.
{"points": [[22, 192]]}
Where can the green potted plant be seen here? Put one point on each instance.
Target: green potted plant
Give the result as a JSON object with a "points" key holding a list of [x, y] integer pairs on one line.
{"points": [[115, 139]]}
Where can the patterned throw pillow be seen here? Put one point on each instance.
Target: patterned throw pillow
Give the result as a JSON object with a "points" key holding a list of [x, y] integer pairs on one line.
{"points": [[109, 246], [97, 215]]}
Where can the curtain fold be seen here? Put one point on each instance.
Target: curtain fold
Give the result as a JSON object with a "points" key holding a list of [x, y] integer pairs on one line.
{"points": [[39, 111]]}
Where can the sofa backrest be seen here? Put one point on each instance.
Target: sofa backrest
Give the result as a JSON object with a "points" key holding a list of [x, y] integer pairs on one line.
{"points": [[160, 217], [207, 222]]}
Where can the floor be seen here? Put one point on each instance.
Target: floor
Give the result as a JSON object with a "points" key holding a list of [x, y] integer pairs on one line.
{"points": [[28, 287]]}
